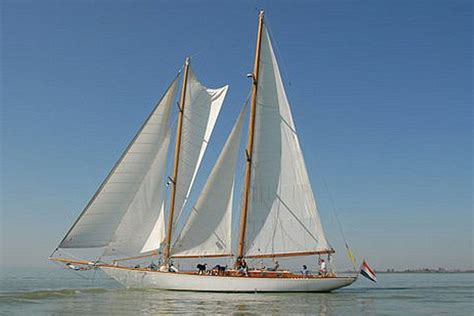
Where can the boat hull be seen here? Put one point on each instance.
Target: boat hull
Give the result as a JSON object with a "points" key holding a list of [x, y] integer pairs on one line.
{"points": [[133, 278]]}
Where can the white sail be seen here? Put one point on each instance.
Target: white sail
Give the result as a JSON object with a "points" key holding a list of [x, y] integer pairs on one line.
{"points": [[130, 185], [157, 235], [207, 230], [141, 227], [282, 215], [202, 107]]}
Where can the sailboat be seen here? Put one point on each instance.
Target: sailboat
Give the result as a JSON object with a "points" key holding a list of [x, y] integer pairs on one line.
{"points": [[129, 218]]}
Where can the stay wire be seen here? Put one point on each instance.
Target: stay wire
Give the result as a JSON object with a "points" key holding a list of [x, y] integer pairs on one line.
{"points": [[349, 251]]}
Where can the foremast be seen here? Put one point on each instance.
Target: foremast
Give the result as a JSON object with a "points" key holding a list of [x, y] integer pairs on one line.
{"points": [[250, 141], [169, 230]]}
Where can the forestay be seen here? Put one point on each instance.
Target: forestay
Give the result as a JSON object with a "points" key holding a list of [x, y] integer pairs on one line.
{"points": [[130, 196], [282, 216], [207, 231], [202, 107]]}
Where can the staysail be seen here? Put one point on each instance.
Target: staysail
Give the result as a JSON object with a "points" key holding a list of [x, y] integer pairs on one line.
{"points": [[142, 227], [282, 214], [201, 111], [207, 231], [130, 196], [158, 233]]}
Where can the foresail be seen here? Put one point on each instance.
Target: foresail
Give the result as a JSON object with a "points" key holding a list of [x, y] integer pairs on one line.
{"points": [[141, 228], [130, 186], [157, 235], [207, 230], [202, 107], [282, 216]]}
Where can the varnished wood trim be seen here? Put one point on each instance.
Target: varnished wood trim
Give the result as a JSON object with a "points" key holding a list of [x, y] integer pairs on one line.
{"points": [[292, 254], [169, 232], [65, 260], [250, 141], [203, 256]]}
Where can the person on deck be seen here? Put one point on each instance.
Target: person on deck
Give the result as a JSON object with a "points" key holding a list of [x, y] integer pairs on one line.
{"points": [[275, 267], [238, 263], [172, 268], [305, 270], [322, 267], [153, 266], [71, 266], [244, 267]]}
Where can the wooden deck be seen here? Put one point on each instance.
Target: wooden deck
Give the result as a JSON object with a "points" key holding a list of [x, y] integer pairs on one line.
{"points": [[255, 273]]}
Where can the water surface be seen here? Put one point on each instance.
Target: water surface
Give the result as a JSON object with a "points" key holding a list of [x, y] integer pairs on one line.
{"points": [[57, 291]]}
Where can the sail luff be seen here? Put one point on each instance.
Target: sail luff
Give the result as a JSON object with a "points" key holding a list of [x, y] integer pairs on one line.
{"points": [[250, 142], [169, 232], [165, 97]]}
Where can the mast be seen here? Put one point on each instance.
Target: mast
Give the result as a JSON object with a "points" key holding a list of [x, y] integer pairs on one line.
{"points": [[250, 141], [169, 231]]}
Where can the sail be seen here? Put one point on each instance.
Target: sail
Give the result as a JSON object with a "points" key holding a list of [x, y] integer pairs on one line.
{"points": [[130, 187], [282, 215], [207, 230], [157, 235], [141, 228], [202, 106]]}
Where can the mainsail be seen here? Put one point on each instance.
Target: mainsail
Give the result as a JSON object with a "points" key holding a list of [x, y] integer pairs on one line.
{"points": [[201, 111], [282, 214], [130, 196], [207, 231]]}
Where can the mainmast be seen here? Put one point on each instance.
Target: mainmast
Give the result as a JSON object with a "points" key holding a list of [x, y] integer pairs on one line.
{"points": [[250, 141], [169, 231]]}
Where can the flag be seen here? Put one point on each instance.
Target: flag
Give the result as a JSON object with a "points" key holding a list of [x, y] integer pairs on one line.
{"points": [[366, 271]]}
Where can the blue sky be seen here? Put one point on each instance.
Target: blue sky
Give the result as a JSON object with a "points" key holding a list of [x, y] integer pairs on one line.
{"points": [[381, 94]]}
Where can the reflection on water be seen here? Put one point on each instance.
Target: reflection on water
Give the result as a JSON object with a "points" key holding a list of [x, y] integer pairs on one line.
{"points": [[56, 292], [123, 302]]}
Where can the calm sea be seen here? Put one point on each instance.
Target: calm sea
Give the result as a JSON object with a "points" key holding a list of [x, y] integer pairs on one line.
{"points": [[57, 291]]}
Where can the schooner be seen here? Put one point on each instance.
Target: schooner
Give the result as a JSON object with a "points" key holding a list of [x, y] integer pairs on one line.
{"points": [[127, 218]]}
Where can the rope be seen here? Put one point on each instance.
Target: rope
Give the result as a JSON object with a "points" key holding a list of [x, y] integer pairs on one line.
{"points": [[349, 251]]}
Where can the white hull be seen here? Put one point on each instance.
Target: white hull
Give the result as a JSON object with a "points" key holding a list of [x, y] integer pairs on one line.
{"points": [[132, 278]]}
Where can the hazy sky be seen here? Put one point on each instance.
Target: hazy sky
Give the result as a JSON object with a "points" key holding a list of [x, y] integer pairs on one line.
{"points": [[381, 94]]}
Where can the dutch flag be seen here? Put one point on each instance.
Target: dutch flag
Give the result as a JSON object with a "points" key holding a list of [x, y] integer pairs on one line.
{"points": [[366, 271]]}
